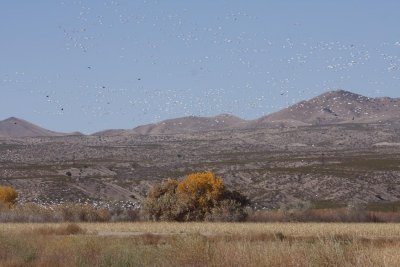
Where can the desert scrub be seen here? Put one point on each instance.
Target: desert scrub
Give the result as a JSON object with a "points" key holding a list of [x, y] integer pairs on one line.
{"points": [[68, 212]]}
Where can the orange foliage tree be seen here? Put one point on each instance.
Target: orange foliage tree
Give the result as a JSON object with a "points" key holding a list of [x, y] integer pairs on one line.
{"points": [[8, 195], [200, 191], [200, 196]]}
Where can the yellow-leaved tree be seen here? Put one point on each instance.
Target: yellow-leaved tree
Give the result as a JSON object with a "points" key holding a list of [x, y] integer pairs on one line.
{"points": [[8, 195], [199, 191], [200, 196]]}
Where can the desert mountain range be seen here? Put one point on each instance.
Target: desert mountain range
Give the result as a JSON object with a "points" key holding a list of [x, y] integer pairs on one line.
{"points": [[336, 149], [333, 107]]}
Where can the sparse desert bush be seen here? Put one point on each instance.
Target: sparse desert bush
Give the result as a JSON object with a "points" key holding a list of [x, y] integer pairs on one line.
{"points": [[161, 202], [70, 212], [323, 215], [296, 206], [200, 196], [78, 213], [120, 215], [29, 212], [227, 210], [103, 215]]}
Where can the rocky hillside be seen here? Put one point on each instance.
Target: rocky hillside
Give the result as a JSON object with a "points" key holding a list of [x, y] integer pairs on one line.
{"points": [[346, 151], [338, 107]]}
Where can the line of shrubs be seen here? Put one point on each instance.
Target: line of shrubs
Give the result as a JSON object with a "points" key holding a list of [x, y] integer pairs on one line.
{"points": [[199, 197], [72, 212], [324, 215]]}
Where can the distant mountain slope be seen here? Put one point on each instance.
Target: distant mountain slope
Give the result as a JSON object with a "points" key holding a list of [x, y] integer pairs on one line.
{"points": [[190, 124], [338, 107], [329, 108], [14, 127], [111, 132]]}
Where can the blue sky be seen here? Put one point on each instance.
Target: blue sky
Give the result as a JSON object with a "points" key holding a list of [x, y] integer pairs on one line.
{"points": [[94, 65]]}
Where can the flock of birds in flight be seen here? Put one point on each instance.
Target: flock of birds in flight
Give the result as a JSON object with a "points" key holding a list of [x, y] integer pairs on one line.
{"points": [[278, 79]]}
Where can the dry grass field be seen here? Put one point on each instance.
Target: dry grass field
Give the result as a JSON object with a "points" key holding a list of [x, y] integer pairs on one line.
{"points": [[200, 244]]}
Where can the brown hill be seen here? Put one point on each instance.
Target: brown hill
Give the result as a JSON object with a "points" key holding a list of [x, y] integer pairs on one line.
{"points": [[190, 124], [111, 132], [338, 107], [329, 108], [14, 127]]}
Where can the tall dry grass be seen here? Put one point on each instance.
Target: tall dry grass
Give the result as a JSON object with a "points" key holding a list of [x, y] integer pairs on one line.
{"points": [[360, 230], [323, 215], [199, 244]]}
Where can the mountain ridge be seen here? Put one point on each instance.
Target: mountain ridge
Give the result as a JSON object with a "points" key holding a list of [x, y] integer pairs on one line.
{"points": [[338, 106], [332, 107], [16, 127]]}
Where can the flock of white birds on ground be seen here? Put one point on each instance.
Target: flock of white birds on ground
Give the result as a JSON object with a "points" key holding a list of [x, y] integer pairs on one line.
{"points": [[280, 81]]}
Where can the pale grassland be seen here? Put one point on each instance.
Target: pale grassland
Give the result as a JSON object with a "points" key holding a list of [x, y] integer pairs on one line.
{"points": [[368, 230], [200, 244]]}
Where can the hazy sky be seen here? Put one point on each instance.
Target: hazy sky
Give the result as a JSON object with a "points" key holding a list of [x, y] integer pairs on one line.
{"points": [[93, 65]]}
